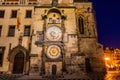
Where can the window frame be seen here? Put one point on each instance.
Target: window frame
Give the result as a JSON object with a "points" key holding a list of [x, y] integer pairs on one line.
{"points": [[2, 13], [14, 12], [26, 32], [9, 31], [28, 14], [2, 51]]}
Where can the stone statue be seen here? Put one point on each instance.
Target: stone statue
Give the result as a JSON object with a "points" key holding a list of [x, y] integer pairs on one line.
{"points": [[54, 3]]}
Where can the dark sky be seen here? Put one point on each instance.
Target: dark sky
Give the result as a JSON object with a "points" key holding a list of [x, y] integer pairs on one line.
{"points": [[108, 22]]}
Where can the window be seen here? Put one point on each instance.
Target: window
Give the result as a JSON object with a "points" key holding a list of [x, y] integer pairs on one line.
{"points": [[57, 20], [27, 30], [1, 55], [2, 13], [50, 20], [22, 1], [28, 13], [11, 31], [81, 25], [14, 14], [0, 30]]}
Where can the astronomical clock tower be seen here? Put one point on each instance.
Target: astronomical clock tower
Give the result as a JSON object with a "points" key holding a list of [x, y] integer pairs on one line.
{"points": [[64, 39], [51, 40], [49, 37]]}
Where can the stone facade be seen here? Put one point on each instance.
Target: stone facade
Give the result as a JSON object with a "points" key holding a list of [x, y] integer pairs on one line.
{"points": [[62, 40]]}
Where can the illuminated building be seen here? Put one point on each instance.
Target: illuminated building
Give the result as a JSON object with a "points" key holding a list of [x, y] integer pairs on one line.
{"points": [[112, 59], [49, 37]]}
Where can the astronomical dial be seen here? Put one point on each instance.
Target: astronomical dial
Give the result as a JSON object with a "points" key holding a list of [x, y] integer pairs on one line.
{"points": [[54, 33], [53, 52]]}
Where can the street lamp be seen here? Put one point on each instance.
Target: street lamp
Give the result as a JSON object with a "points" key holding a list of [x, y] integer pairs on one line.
{"points": [[107, 59]]}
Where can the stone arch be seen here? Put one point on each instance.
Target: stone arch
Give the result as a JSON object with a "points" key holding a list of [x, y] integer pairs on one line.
{"points": [[18, 65], [54, 16], [55, 10], [12, 54]]}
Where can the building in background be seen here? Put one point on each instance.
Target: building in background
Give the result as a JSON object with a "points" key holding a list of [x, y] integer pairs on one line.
{"points": [[112, 58], [49, 37]]}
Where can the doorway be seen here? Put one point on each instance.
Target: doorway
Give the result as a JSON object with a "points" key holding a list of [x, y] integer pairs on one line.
{"points": [[18, 65], [54, 69], [88, 65]]}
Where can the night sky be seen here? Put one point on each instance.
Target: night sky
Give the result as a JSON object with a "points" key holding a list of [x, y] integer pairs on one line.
{"points": [[108, 22]]}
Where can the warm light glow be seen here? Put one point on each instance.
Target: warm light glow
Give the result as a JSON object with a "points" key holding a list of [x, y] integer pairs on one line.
{"points": [[107, 58]]}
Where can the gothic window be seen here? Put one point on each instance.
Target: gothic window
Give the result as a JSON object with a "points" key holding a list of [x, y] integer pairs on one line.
{"points": [[27, 30], [1, 55], [81, 25], [14, 14], [28, 13], [2, 13], [11, 30], [0, 29]]}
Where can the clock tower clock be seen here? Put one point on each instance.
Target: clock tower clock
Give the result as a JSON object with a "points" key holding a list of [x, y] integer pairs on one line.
{"points": [[53, 52], [53, 33], [53, 48]]}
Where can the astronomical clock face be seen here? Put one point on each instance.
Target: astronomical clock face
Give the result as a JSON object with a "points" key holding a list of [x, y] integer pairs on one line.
{"points": [[53, 52], [54, 33]]}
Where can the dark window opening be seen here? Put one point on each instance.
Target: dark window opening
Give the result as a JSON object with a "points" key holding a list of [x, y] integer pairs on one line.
{"points": [[11, 31], [54, 69], [0, 30], [14, 14], [28, 13], [1, 58], [27, 30], [2, 13], [88, 65], [1, 55], [81, 25]]}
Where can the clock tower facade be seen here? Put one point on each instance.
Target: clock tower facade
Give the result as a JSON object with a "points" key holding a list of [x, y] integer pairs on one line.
{"points": [[65, 39], [49, 37]]}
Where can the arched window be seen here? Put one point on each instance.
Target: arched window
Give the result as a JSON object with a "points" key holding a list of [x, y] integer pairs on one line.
{"points": [[81, 25]]}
